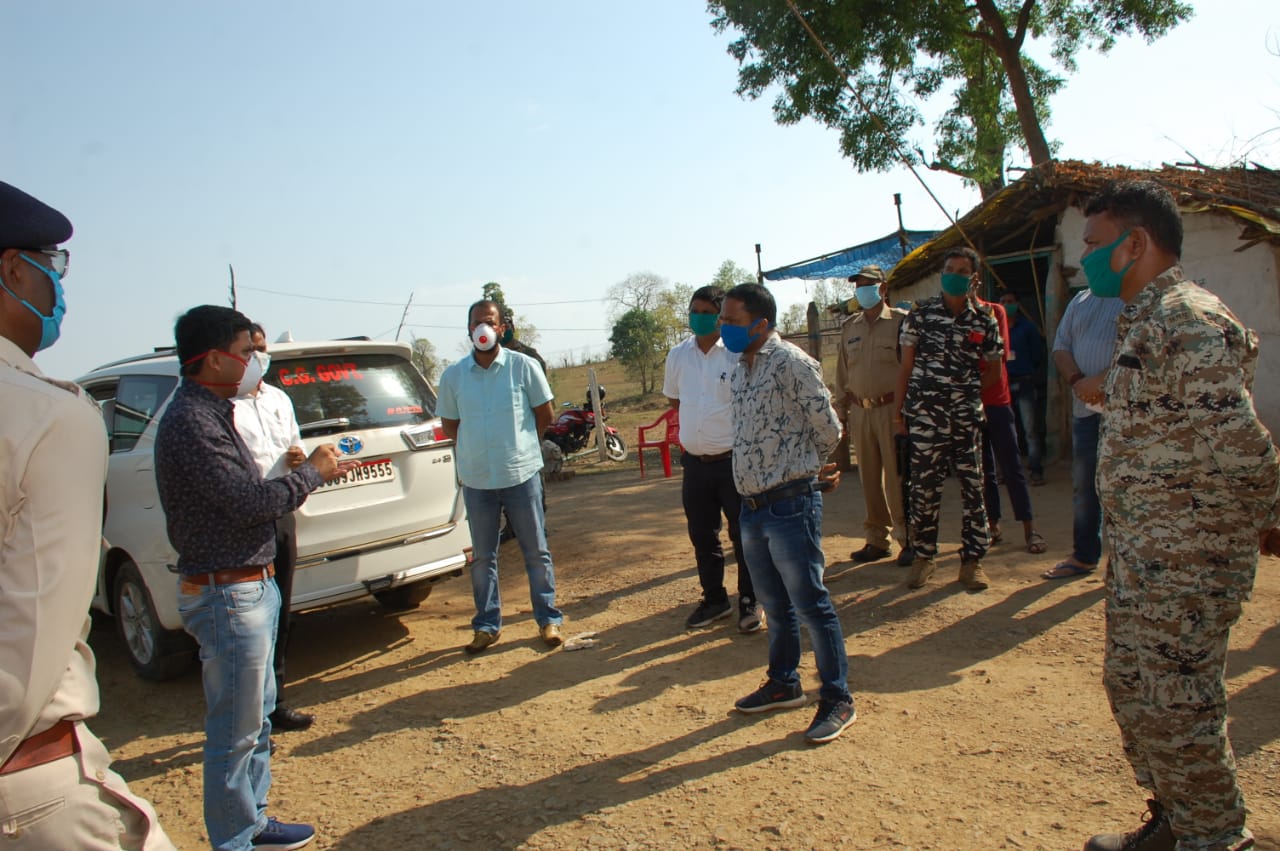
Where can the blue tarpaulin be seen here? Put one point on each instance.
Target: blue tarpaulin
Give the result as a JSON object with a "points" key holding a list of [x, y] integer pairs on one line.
{"points": [[884, 252]]}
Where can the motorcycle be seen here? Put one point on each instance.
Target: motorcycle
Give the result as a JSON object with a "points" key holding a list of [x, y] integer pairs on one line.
{"points": [[571, 432]]}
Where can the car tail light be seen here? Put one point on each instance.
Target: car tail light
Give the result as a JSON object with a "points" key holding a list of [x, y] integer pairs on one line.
{"points": [[425, 436]]}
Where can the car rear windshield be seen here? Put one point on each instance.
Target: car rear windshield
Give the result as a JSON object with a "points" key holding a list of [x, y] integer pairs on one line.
{"points": [[353, 390]]}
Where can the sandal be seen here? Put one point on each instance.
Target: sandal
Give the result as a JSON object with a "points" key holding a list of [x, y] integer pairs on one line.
{"points": [[1067, 570], [1036, 543], [995, 537]]}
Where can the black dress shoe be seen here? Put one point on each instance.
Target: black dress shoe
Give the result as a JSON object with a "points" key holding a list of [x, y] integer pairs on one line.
{"points": [[288, 718], [868, 553]]}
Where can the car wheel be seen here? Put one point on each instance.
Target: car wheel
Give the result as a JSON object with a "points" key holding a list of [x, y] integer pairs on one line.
{"points": [[405, 598], [156, 653], [614, 448]]}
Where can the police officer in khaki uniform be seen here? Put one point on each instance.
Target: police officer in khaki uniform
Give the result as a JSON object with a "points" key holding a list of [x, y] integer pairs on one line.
{"points": [[1190, 486], [866, 375], [56, 788]]}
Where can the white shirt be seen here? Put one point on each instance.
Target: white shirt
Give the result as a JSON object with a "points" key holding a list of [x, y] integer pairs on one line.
{"points": [[701, 382], [268, 426], [53, 464]]}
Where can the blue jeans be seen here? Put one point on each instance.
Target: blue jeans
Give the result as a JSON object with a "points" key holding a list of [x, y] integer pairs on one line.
{"points": [[1086, 527], [235, 626], [523, 504], [782, 543], [1025, 400]]}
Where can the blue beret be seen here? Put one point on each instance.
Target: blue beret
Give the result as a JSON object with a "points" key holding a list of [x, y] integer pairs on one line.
{"points": [[28, 223]]}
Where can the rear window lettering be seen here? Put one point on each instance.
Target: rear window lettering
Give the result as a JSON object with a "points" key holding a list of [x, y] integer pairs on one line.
{"points": [[361, 390]]}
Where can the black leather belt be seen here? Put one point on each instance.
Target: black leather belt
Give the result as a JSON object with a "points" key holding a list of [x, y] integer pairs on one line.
{"points": [[711, 459], [781, 492]]}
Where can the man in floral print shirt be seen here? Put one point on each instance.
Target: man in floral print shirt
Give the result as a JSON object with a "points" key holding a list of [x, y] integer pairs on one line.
{"points": [[783, 430]]}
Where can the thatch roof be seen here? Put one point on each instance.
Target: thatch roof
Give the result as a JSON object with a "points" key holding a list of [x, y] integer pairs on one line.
{"points": [[1023, 215]]}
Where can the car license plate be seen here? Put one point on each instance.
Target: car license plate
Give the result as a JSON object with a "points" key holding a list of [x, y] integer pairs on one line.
{"points": [[380, 470]]}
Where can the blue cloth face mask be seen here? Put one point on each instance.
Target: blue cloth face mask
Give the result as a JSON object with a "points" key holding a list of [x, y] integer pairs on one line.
{"points": [[1104, 282], [702, 324], [955, 284], [868, 296], [738, 337], [50, 326]]}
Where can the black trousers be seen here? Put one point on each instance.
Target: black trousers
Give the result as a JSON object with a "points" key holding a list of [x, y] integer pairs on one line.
{"points": [[707, 491], [286, 557]]}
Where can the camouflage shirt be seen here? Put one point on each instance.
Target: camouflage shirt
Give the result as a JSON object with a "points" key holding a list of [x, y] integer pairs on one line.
{"points": [[949, 352], [1187, 474], [783, 424]]}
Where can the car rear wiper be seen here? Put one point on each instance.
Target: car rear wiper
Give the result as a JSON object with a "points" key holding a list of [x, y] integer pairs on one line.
{"points": [[338, 423]]}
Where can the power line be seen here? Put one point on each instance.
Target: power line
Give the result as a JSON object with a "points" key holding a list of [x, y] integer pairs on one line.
{"points": [[420, 306]]}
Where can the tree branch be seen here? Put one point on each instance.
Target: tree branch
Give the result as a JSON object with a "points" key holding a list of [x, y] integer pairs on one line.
{"points": [[1024, 20]]}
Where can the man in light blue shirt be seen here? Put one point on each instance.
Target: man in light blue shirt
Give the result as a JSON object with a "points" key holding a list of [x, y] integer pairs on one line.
{"points": [[1082, 351], [496, 404]]}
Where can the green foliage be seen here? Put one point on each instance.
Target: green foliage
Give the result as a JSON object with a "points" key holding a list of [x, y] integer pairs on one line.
{"points": [[638, 342], [492, 291], [902, 52], [730, 274], [794, 320]]}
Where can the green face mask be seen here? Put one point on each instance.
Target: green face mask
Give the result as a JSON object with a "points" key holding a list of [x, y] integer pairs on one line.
{"points": [[702, 324], [1104, 282], [953, 283], [1010, 310]]}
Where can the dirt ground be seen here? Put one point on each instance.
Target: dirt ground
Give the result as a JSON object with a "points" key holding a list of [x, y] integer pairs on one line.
{"points": [[981, 719]]}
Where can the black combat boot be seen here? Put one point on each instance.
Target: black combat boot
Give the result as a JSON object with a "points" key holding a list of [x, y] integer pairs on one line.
{"points": [[1154, 835]]}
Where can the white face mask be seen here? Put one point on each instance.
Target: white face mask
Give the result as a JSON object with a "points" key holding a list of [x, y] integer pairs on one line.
{"points": [[483, 337], [254, 370]]}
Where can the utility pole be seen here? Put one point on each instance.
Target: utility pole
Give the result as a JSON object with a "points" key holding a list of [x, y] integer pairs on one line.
{"points": [[759, 270], [404, 316], [232, 270], [902, 232]]}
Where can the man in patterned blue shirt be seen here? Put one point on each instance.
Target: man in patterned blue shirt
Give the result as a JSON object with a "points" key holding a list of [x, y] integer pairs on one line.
{"points": [[783, 430]]}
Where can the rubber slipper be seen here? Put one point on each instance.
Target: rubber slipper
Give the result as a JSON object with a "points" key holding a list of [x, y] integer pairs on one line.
{"points": [[1036, 543], [1066, 570], [996, 538]]}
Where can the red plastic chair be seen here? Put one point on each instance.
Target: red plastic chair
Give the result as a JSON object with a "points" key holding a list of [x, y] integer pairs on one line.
{"points": [[668, 426]]}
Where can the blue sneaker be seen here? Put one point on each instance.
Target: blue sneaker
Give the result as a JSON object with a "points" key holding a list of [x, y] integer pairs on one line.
{"points": [[284, 837], [830, 721]]}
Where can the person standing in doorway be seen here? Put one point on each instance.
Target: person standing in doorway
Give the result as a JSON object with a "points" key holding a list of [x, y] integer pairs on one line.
{"points": [[1025, 368], [696, 383]]}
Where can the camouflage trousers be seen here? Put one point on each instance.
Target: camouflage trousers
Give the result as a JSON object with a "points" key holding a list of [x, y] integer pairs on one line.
{"points": [[939, 444], [1163, 672]]}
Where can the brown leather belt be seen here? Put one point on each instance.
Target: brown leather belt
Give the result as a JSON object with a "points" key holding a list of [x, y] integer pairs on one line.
{"points": [[873, 403], [231, 575], [711, 459], [58, 742]]}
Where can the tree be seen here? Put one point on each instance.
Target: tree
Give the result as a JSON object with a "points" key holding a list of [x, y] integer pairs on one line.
{"points": [[638, 291], [901, 52], [730, 274], [492, 291], [672, 314], [637, 342], [794, 321], [425, 358]]}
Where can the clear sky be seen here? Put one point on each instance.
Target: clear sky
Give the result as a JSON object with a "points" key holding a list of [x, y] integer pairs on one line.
{"points": [[337, 153]]}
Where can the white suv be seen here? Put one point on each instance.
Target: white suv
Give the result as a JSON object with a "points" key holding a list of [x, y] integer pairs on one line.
{"points": [[390, 528]]}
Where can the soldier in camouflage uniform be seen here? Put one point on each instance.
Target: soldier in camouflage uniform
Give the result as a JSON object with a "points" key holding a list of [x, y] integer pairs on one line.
{"points": [[1189, 484], [951, 350]]}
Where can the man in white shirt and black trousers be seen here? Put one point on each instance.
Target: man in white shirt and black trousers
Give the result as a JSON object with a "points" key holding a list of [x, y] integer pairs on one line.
{"points": [[266, 422], [697, 385]]}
